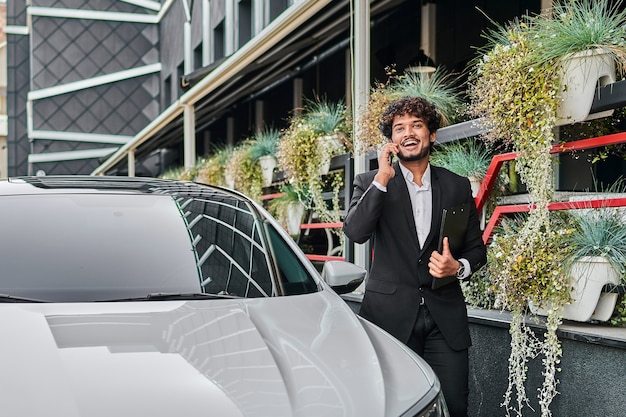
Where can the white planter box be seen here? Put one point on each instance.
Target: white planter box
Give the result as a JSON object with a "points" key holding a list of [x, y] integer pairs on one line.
{"points": [[582, 72], [295, 212], [589, 275], [268, 163]]}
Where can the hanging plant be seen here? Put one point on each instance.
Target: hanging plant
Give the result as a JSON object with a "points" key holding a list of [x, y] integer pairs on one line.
{"points": [[515, 89], [245, 171], [212, 169], [305, 149]]}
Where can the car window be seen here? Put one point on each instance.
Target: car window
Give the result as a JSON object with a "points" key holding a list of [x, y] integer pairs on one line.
{"points": [[80, 247], [231, 256], [88, 247], [293, 277]]}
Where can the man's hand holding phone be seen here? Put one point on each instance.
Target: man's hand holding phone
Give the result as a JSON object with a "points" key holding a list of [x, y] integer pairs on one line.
{"points": [[385, 163]]}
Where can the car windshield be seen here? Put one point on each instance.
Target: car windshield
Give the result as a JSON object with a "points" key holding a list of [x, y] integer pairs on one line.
{"points": [[94, 247]]}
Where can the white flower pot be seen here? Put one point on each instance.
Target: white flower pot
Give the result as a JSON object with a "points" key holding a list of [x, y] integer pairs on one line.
{"points": [[295, 211], [229, 180], [268, 163], [589, 275], [329, 145], [475, 184], [582, 72]]}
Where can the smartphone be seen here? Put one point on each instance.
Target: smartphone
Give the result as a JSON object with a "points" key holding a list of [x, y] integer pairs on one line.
{"points": [[390, 158]]}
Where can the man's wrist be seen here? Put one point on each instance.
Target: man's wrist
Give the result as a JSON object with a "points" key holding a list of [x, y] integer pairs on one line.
{"points": [[464, 269], [378, 185]]}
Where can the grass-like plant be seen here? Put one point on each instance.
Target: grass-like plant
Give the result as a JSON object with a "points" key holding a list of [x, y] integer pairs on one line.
{"points": [[264, 143], [469, 158], [601, 232], [579, 25], [441, 88], [214, 166], [327, 117]]}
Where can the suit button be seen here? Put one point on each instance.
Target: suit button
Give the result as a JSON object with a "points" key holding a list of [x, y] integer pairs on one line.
{"points": [[420, 261], [421, 289]]}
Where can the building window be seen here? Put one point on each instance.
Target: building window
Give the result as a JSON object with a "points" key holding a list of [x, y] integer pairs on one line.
{"points": [[167, 91], [218, 41], [245, 21], [276, 7], [197, 57], [180, 71]]}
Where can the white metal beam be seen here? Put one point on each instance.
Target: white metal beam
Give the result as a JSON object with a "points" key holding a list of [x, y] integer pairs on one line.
{"points": [[92, 15], [70, 155], [93, 82], [16, 30], [279, 29], [189, 136], [79, 137], [360, 89], [146, 4]]}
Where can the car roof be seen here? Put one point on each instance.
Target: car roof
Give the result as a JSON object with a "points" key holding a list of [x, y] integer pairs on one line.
{"points": [[89, 184]]}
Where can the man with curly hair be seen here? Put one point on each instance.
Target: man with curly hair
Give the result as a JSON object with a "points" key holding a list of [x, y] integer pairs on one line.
{"points": [[399, 208]]}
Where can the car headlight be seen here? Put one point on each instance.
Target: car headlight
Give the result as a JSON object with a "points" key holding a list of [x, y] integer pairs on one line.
{"points": [[437, 408]]}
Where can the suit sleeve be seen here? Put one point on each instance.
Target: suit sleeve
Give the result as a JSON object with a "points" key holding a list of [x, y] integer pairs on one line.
{"points": [[365, 209], [474, 249]]}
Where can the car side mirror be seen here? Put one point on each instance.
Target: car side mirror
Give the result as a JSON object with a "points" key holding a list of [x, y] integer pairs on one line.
{"points": [[343, 277]]}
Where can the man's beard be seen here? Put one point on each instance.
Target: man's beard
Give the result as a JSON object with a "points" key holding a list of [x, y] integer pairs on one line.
{"points": [[425, 152]]}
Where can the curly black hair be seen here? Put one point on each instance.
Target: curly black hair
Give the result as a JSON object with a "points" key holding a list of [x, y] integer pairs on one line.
{"points": [[413, 106]]}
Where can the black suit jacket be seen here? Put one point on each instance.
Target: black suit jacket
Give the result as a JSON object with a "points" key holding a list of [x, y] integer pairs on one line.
{"points": [[399, 276]]}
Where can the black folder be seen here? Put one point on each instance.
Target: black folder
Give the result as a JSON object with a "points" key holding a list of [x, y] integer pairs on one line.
{"points": [[453, 226]]}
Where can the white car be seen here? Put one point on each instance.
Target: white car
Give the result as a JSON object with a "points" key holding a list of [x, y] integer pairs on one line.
{"points": [[145, 297]]}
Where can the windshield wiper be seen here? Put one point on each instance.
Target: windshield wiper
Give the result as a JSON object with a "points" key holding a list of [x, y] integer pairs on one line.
{"points": [[164, 296], [6, 298]]}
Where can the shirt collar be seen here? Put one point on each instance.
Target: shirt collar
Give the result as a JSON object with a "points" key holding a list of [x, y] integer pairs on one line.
{"points": [[408, 176]]}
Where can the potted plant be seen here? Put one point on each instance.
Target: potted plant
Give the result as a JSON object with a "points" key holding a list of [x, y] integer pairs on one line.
{"points": [[516, 89], [245, 171], [212, 169], [598, 258], [440, 88], [289, 208], [263, 150], [469, 158], [314, 136]]}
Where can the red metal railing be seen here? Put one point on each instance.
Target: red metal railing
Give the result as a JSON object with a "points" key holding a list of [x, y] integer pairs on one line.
{"points": [[496, 164], [489, 181], [310, 226]]}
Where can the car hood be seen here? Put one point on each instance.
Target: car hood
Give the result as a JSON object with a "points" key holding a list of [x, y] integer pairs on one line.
{"points": [[305, 355]]}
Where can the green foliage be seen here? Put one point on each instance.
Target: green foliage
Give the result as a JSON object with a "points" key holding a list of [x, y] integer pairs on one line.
{"points": [[478, 291], [328, 118], [440, 88], [280, 206], [601, 232], [245, 171], [264, 143], [530, 270], [469, 158], [579, 25], [175, 173], [619, 315], [213, 167], [515, 90], [308, 144]]}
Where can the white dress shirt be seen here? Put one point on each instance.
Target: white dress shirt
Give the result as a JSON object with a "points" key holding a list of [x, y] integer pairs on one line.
{"points": [[421, 201]]}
